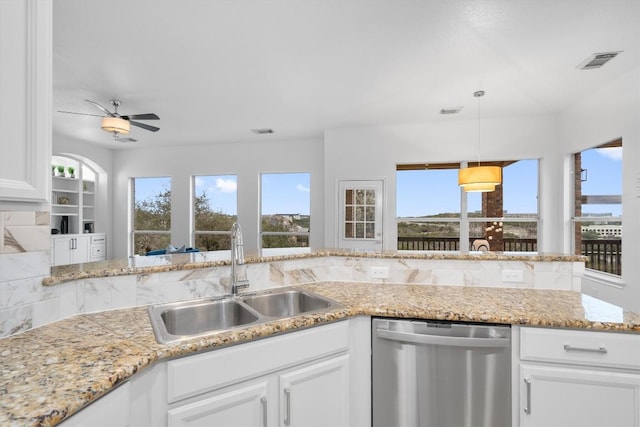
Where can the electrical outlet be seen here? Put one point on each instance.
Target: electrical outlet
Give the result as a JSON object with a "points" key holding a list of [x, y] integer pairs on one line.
{"points": [[379, 272], [513, 276]]}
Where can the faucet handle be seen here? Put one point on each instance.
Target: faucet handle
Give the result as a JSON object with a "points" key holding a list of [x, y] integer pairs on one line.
{"points": [[242, 284]]}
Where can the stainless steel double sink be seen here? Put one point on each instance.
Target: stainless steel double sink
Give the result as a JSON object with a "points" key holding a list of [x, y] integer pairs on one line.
{"points": [[196, 318]]}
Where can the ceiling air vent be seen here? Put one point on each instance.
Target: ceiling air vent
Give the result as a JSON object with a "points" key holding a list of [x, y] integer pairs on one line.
{"points": [[263, 131], [454, 110], [597, 60]]}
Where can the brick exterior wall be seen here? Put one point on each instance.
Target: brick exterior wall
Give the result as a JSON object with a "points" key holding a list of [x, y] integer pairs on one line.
{"points": [[492, 206]]}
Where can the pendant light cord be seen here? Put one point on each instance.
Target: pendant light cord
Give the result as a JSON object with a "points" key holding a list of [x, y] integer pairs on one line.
{"points": [[478, 94]]}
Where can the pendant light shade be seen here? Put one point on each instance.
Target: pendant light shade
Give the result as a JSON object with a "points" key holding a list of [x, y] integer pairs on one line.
{"points": [[479, 188], [480, 178], [115, 124]]}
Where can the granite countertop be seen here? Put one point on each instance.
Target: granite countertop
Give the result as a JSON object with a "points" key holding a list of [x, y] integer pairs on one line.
{"points": [[188, 261], [51, 372]]}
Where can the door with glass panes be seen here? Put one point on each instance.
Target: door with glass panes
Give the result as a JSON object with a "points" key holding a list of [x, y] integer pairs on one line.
{"points": [[360, 215]]}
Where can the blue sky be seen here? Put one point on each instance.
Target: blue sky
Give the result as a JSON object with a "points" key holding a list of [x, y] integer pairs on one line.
{"points": [[286, 193], [222, 191], [604, 177]]}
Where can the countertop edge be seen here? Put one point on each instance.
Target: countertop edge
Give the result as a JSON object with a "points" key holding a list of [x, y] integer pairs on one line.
{"points": [[187, 261]]}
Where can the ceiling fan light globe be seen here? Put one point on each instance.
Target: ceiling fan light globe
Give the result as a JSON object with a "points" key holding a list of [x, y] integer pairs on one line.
{"points": [[115, 124]]}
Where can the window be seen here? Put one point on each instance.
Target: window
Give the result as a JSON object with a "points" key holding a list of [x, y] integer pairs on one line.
{"points": [[431, 212], [151, 229], [598, 206], [215, 209], [428, 208], [360, 218], [285, 207]]}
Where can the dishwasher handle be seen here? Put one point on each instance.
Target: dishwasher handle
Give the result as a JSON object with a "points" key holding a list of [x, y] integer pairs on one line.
{"points": [[442, 340]]}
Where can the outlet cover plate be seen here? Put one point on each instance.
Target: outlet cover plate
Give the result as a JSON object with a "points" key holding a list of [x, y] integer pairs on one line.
{"points": [[513, 276], [379, 272]]}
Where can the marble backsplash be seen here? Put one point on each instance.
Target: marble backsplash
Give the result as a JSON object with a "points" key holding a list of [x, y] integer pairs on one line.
{"points": [[26, 303], [24, 262]]}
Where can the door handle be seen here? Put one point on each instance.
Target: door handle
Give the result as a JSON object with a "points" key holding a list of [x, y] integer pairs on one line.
{"points": [[287, 403], [442, 340], [527, 383], [600, 349], [263, 402]]}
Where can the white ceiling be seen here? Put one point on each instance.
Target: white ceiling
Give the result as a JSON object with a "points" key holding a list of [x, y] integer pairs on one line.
{"points": [[214, 69]]}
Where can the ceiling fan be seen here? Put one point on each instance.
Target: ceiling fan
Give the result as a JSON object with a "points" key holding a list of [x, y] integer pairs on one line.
{"points": [[118, 124]]}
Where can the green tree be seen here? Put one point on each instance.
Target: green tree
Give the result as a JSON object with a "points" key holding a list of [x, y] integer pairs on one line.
{"points": [[152, 215], [207, 219]]}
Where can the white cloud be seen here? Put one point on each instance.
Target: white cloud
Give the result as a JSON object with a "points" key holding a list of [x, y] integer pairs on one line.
{"points": [[614, 153], [226, 185], [301, 187]]}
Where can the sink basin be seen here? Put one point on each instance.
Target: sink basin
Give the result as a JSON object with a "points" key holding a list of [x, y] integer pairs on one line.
{"points": [[192, 318], [286, 304], [189, 319]]}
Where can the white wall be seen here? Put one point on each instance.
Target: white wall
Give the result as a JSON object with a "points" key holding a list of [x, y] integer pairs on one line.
{"points": [[247, 160], [607, 114], [373, 152]]}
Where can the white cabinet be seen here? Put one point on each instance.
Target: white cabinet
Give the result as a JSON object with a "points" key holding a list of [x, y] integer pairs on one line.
{"points": [[567, 396], [111, 410], [316, 395], [578, 378], [245, 406], [297, 379], [77, 248], [25, 104]]}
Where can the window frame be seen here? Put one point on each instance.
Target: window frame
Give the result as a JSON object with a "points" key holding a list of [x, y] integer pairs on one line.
{"points": [[598, 275], [192, 227], [288, 250], [464, 220], [132, 209]]}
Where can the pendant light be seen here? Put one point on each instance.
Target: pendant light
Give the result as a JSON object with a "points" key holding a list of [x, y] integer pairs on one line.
{"points": [[479, 178]]}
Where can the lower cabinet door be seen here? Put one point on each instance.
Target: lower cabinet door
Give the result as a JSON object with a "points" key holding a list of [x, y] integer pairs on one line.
{"points": [[316, 395], [565, 397], [241, 407]]}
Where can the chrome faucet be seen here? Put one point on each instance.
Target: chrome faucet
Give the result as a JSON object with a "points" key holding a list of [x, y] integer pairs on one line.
{"points": [[237, 258]]}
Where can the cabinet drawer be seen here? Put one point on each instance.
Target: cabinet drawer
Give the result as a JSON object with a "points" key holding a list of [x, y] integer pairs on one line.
{"points": [[197, 374], [607, 349], [97, 251], [98, 239]]}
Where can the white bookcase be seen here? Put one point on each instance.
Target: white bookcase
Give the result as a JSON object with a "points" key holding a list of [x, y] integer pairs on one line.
{"points": [[74, 198]]}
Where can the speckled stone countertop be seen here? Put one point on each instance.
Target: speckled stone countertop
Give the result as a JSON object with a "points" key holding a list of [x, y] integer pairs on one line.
{"points": [[51, 372], [188, 261]]}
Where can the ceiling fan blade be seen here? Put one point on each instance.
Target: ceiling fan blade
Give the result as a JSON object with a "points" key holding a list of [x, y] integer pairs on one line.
{"points": [[100, 107], [81, 114], [144, 126], [148, 116]]}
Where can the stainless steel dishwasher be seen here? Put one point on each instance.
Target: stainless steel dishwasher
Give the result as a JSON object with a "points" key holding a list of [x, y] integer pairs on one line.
{"points": [[440, 374]]}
